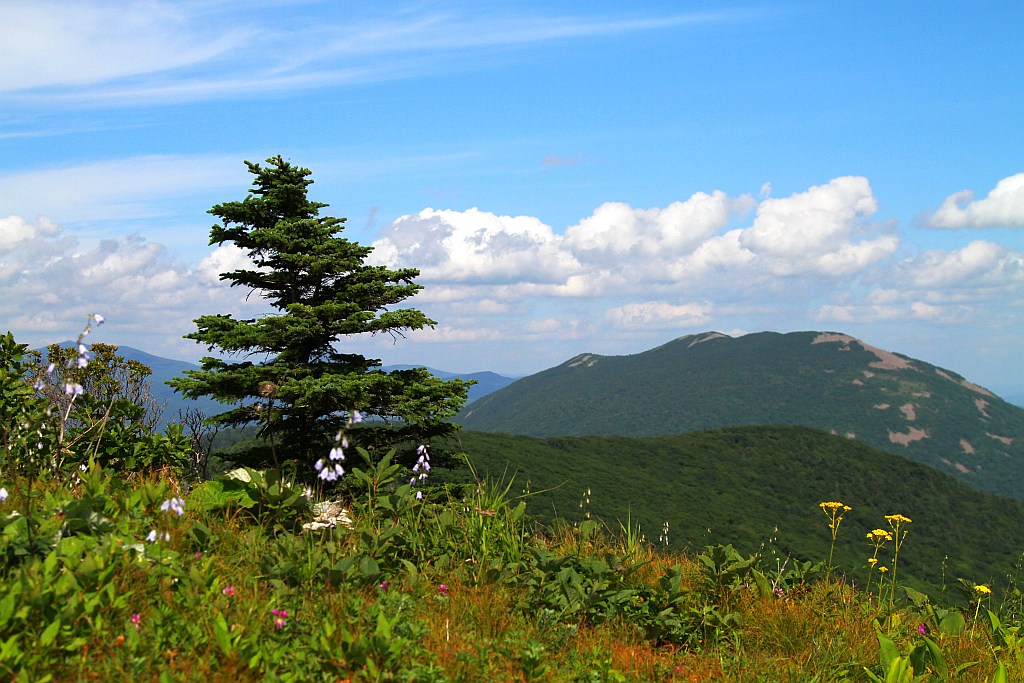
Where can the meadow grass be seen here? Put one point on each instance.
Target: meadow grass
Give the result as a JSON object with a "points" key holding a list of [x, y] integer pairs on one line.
{"points": [[114, 568], [414, 591]]}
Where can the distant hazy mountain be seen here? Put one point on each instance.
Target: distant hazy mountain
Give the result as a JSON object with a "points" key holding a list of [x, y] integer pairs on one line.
{"points": [[825, 380], [486, 382], [166, 368]]}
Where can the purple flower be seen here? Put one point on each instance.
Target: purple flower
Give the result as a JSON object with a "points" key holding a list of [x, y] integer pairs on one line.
{"points": [[176, 505], [73, 389], [280, 618], [356, 417], [137, 621], [384, 585], [922, 629], [443, 589]]}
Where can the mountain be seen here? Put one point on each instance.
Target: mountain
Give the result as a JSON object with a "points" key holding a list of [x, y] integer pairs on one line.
{"points": [[759, 489], [826, 380], [166, 368], [486, 382]]}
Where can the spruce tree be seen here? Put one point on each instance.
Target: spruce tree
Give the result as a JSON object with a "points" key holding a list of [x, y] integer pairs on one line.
{"points": [[290, 378]]}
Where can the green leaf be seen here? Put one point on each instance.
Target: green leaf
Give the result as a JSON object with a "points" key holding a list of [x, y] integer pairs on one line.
{"points": [[50, 633]]}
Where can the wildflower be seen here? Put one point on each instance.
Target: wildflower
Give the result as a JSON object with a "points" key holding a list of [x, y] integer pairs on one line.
{"points": [[73, 389], [97, 318], [228, 591], [834, 510], [151, 537], [922, 629], [3, 494], [356, 417], [137, 621], [883, 569], [331, 469], [384, 585], [982, 590], [280, 618], [421, 469], [176, 505], [443, 590], [872, 561]]}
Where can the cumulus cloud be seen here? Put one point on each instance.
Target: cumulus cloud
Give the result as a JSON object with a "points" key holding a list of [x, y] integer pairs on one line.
{"points": [[979, 264], [1003, 207], [617, 231], [823, 232], [476, 246], [816, 231], [659, 315], [51, 280]]}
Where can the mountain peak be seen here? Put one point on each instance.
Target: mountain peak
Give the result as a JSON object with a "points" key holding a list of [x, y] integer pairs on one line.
{"points": [[826, 380]]}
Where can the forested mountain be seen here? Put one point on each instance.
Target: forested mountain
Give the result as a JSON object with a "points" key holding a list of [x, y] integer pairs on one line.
{"points": [[825, 380], [759, 489]]}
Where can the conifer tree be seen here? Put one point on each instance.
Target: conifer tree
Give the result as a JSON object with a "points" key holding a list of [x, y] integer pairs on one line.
{"points": [[301, 389]]}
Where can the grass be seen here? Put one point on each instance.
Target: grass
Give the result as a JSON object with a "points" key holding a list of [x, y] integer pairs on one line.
{"points": [[454, 587]]}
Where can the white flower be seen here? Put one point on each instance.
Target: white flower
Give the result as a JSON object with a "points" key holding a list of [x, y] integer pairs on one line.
{"points": [[152, 536], [97, 318], [3, 494], [73, 389]]}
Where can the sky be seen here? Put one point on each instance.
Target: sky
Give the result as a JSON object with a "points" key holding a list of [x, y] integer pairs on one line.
{"points": [[569, 177]]}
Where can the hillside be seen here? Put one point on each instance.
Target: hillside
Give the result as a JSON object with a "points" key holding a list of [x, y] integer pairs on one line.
{"points": [[824, 380], [747, 485]]}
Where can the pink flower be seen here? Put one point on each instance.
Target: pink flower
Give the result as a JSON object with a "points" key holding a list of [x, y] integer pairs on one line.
{"points": [[384, 585], [922, 629], [137, 621], [228, 591], [280, 618], [443, 589]]}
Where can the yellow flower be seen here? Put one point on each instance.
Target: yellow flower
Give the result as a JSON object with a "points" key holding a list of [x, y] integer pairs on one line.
{"points": [[898, 519], [872, 561], [982, 590], [883, 568], [879, 534]]}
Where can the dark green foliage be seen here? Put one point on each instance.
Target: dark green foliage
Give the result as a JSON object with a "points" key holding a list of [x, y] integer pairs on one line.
{"points": [[821, 380], [321, 289], [747, 485]]}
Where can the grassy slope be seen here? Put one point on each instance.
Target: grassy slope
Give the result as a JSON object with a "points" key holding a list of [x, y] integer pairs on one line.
{"points": [[704, 382], [750, 484]]}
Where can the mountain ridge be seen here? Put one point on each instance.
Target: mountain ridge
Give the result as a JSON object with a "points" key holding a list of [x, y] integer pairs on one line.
{"points": [[822, 379]]}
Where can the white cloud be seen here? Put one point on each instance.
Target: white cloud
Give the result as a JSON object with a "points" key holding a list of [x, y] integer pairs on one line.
{"points": [[129, 188], [659, 315], [109, 52], [51, 281], [75, 43], [979, 264], [617, 231], [1003, 207], [814, 231], [475, 246], [15, 229]]}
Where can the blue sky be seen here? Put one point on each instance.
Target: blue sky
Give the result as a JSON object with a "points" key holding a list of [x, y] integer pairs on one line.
{"points": [[569, 177]]}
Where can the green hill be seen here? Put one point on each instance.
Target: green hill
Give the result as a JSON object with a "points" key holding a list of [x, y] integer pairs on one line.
{"points": [[824, 380], [747, 485]]}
